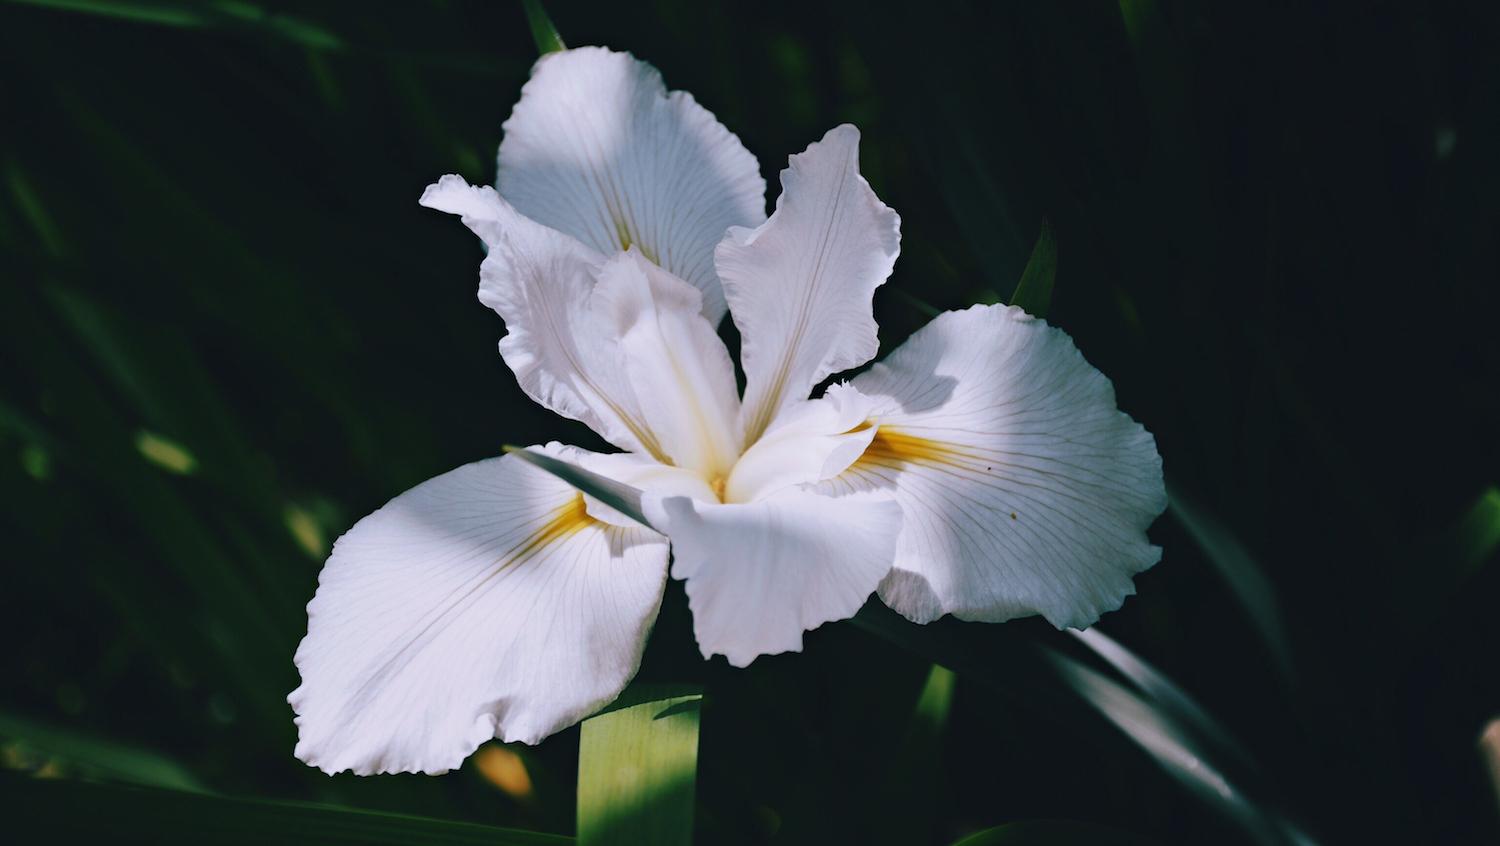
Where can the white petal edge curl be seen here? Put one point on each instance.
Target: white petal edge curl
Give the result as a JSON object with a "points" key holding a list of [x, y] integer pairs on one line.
{"points": [[1023, 489], [678, 369], [758, 575], [540, 281], [598, 148], [481, 603], [801, 286]]}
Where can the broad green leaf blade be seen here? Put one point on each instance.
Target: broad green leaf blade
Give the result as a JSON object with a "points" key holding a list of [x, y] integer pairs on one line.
{"points": [[1034, 291], [637, 768], [542, 31], [617, 495], [101, 758], [138, 815], [1053, 833]]}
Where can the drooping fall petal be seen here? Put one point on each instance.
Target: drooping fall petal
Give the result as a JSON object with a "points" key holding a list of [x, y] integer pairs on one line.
{"points": [[482, 603], [1023, 489], [760, 574]]}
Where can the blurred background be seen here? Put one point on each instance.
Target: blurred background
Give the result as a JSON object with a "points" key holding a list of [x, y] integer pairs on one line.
{"points": [[229, 331]]}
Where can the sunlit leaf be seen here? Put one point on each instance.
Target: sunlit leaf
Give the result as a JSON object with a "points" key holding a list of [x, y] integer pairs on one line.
{"points": [[542, 31], [1162, 691], [1177, 752], [637, 767], [165, 453]]}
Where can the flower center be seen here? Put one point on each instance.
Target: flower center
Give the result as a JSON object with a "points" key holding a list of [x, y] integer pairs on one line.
{"points": [[717, 485]]}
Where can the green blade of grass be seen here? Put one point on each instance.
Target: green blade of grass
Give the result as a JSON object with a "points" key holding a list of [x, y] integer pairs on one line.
{"points": [[637, 767], [101, 758], [137, 815], [542, 31], [1034, 291], [1246, 580], [916, 772]]}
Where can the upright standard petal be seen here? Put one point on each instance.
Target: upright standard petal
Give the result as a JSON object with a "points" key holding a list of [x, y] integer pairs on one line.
{"points": [[800, 287], [598, 149], [678, 369], [541, 281], [1023, 489], [482, 603], [760, 574]]}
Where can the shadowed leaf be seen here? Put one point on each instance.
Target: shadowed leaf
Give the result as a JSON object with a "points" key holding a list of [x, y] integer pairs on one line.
{"points": [[1053, 833], [102, 758], [1245, 578], [132, 815], [1034, 291]]}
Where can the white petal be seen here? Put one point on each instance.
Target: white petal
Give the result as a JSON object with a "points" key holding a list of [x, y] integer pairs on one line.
{"points": [[482, 603], [761, 574], [540, 281], [809, 442], [679, 370], [1023, 489], [598, 149], [800, 287]]}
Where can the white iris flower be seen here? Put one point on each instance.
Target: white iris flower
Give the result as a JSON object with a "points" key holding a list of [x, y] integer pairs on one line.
{"points": [[981, 470]]}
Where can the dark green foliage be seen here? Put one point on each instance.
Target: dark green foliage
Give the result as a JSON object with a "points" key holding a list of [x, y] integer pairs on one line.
{"points": [[228, 331]]}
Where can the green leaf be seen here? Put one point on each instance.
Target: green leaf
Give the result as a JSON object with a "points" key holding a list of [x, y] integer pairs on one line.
{"points": [[1034, 291], [1042, 678], [617, 495], [542, 31], [637, 764], [1478, 533], [1162, 692], [135, 815], [1052, 833], [100, 758], [197, 15], [916, 772], [1238, 569]]}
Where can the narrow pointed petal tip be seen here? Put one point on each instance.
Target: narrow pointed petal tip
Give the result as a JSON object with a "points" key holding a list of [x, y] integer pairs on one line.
{"points": [[801, 287], [482, 603], [1023, 489]]}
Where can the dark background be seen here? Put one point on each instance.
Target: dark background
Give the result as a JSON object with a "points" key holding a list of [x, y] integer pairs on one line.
{"points": [[229, 331]]}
